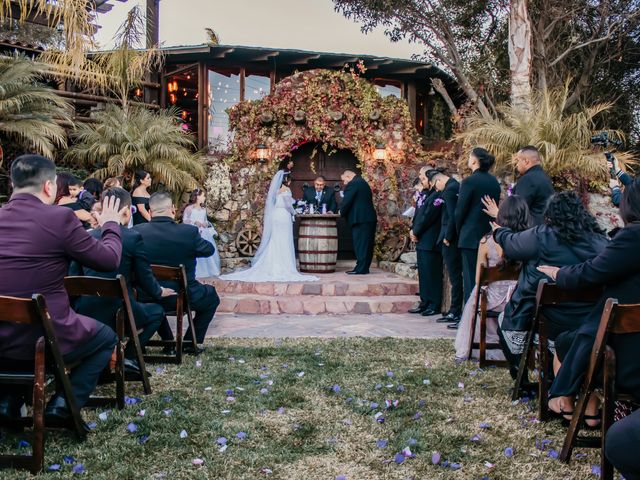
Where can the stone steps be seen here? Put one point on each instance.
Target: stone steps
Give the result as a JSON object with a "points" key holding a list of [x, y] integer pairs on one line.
{"points": [[315, 304]]}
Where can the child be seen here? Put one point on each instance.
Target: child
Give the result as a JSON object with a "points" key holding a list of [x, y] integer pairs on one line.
{"points": [[196, 214]]}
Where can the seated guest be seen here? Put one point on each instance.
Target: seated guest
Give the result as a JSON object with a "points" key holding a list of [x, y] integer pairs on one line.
{"points": [[37, 242], [425, 230], [195, 214], [173, 244], [617, 268], [136, 269], [569, 235], [472, 223], [622, 446], [514, 215], [67, 196], [320, 195], [94, 187]]}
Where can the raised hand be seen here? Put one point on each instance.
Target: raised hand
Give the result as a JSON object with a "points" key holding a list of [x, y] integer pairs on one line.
{"points": [[490, 206], [110, 211]]}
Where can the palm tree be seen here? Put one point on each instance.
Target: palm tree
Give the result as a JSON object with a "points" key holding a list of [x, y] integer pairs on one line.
{"points": [[123, 141], [29, 110], [564, 139]]}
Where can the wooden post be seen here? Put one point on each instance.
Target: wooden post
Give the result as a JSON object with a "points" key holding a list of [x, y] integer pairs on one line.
{"points": [[152, 95], [203, 104]]}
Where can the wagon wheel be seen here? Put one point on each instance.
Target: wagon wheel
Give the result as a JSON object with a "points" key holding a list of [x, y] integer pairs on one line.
{"points": [[247, 241], [394, 245]]}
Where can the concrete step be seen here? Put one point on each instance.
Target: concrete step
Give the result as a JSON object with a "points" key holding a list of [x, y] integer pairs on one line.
{"points": [[315, 304]]}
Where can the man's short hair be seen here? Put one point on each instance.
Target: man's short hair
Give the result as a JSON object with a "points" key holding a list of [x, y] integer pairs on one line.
{"points": [[121, 193], [160, 201], [434, 173], [349, 171], [530, 149], [31, 171], [320, 177]]}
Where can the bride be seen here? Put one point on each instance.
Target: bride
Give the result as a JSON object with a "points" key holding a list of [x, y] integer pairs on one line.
{"points": [[275, 260]]}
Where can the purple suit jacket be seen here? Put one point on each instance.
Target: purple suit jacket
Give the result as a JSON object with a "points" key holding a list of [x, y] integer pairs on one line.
{"points": [[37, 243]]}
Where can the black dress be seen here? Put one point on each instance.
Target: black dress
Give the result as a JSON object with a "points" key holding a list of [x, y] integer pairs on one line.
{"points": [[617, 267], [138, 217]]}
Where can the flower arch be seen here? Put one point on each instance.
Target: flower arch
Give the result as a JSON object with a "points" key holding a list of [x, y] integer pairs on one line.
{"points": [[338, 110]]}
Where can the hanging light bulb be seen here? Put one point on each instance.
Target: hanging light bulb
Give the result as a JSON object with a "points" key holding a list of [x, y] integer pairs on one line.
{"points": [[262, 153]]}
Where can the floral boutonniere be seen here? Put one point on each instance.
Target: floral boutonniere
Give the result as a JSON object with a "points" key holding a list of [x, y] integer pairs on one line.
{"points": [[438, 202], [510, 189], [421, 199]]}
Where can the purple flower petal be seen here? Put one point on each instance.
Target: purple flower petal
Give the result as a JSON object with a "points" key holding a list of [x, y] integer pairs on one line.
{"points": [[553, 453], [485, 426], [595, 470], [435, 458], [389, 374], [455, 466], [168, 411], [142, 439], [221, 441], [378, 386], [412, 442], [336, 389], [23, 444], [92, 425], [399, 458], [281, 410], [508, 452], [68, 459], [229, 392], [373, 405], [381, 443], [400, 388], [197, 461], [417, 416], [476, 438], [263, 391], [241, 435], [422, 404], [341, 477], [132, 427], [406, 451], [79, 468], [55, 467]]}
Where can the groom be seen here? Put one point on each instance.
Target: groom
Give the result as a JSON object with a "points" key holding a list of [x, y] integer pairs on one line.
{"points": [[357, 208]]}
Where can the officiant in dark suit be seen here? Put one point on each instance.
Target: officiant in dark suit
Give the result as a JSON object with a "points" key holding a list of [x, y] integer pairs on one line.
{"points": [[320, 195], [357, 208]]}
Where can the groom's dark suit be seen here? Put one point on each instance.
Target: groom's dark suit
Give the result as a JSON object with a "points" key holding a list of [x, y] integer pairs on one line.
{"points": [[327, 197], [357, 208], [173, 244]]}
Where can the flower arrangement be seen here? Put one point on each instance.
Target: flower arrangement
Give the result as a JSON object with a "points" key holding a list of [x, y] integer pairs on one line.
{"points": [[438, 202], [217, 186]]}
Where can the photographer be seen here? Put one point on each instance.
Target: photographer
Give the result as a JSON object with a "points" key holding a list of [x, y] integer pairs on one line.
{"points": [[618, 177]]}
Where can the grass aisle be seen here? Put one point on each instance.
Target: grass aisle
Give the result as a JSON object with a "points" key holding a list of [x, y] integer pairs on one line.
{"points": [[313, 409]]}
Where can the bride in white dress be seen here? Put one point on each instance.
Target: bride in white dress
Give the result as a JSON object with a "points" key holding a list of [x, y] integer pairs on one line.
{"points": [[275, 260]]}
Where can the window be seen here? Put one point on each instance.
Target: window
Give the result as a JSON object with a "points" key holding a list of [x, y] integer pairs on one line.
{"points": [[223, 93], [256, 85], [388, 87]]}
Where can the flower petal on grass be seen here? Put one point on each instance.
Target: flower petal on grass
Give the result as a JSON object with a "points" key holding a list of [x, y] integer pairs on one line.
{"points": [[79, 468], [399, 458], [132, 428], [381, 443], [508, 452], [68, 459], [435, 458], [241, 435], [183, 434], [197, 461], [595, 470], [54, 468], [221, 440]]}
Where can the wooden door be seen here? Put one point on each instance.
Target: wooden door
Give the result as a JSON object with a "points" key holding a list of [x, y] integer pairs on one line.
{"points": [[310, 160]]}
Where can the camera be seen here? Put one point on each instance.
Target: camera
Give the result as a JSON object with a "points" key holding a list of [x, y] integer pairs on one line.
{"points": [[602, 140]]}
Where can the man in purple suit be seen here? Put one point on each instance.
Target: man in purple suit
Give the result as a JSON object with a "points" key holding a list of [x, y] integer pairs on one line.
{"points": [[37, 242]]}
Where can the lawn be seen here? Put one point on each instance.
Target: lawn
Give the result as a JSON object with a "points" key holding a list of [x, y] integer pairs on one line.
{"points": [[317, 409]]}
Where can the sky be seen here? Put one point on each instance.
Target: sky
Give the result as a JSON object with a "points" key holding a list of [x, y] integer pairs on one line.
{"points": [[298, 24]]}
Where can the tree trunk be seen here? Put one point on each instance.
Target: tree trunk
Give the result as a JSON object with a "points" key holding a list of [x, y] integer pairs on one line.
{"points": [[520, 54]]}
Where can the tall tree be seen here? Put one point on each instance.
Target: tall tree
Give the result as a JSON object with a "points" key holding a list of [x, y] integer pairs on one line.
{"points": [[520, 54]]}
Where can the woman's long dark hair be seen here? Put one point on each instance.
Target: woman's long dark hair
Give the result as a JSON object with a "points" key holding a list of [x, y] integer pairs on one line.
{"points": [[630, 204], [287, 178], [569, 218], [193, 196], [514, 214], [63, 180], [138, 177]]}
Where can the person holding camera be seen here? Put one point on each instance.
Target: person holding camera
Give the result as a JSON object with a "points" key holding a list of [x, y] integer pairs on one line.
{"points": [[617, 177]]}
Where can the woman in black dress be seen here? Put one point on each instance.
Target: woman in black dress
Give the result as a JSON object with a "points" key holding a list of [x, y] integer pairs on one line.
{"points": [[140, 197], [570, 235], [617, 268]]}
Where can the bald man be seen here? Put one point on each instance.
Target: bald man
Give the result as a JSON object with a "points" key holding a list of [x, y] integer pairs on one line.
{"points": [[534, 185], [357, 208]]}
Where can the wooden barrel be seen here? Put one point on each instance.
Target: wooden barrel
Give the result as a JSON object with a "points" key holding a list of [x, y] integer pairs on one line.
{"points": [[318, 243]]}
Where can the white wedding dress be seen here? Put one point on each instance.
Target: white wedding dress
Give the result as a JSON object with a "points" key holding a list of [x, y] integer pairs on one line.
{"points": [[206, 267], [275, 260]]}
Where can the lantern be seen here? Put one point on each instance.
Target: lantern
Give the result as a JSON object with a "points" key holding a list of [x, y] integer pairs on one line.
{"points": [[262, 153], [381, 152]]}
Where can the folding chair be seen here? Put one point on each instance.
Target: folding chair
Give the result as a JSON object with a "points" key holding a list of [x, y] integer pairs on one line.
{"points": [[177, 275], [547, 295], [619, 320], [126, 330], [488, 275], [34, 312]]}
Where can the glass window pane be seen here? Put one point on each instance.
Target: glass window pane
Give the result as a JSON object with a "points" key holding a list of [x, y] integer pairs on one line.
{"points": [[224, 93], [386, 88], [256, 85]]}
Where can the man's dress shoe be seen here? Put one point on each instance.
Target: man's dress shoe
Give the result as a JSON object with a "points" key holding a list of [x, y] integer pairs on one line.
{"points": [[189, 350], [448, 318], [418, 309], [429, 312]]}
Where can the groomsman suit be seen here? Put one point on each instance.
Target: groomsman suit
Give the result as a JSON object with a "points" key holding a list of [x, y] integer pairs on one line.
{"points": [[136, 269], [326, 196], [357, 208], [427, 223], [173, 244], [536, 188], [451, 254], [37, 243], [472, 223]]}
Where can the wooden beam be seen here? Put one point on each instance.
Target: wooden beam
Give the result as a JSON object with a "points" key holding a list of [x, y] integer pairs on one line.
{"points": [[100, 99], [304, 60]]}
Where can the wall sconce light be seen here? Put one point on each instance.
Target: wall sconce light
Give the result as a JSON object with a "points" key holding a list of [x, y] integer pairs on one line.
{"points": [[380, 152], [138, 92], [172, 86], [262, 153]]}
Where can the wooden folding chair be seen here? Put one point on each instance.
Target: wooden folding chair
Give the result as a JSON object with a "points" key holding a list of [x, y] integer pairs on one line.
{"points": [[619, 320], [126, 329], [34, 312], [488, 275], [547, 295], [178, 275]]}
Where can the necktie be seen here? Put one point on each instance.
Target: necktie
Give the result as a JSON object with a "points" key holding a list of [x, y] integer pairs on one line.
{"points": [[318, 196]]}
